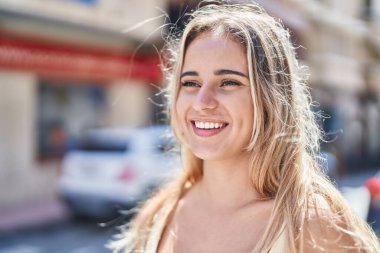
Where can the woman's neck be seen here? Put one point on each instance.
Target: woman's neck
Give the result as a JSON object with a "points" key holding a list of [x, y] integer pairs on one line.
{"points": [[226, 184]]}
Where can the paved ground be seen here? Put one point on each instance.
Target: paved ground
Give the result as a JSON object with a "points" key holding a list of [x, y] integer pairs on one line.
{"points": [[65, 237], [32, 215]]}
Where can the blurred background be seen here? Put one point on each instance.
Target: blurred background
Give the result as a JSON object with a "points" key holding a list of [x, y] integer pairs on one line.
{"points": [[81, 110]]}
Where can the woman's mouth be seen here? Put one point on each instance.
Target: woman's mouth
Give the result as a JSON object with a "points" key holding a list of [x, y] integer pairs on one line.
{"points": [[207, 128]]}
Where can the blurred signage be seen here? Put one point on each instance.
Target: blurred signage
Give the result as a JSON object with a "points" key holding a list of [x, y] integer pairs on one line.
{"points": [[75, 63]]}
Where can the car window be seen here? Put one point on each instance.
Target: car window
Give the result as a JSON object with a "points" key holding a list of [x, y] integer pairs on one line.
{"points": [[103, 146]]}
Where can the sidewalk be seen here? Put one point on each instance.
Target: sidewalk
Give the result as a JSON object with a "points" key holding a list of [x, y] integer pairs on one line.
{"points": [[32, 214]]}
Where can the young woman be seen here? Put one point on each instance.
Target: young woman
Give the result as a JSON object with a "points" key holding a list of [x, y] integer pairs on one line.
{"points": [[250, 181]]}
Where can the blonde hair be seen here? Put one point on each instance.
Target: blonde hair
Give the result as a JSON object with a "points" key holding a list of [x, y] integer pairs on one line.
{"points": [[284, 145]]}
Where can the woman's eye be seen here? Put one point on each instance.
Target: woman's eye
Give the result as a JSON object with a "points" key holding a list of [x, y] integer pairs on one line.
{"points": [[230, 83], [189, 84]]}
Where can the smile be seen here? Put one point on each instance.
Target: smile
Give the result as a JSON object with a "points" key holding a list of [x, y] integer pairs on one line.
{"points": [[208, 125], [207, 128]]}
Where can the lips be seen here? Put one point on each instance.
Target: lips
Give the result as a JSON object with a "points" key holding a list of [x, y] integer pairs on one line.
{"points": [[207, 128]]}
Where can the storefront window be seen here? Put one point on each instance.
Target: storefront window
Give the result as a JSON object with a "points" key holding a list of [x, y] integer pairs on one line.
{"points": [[65, 110]]}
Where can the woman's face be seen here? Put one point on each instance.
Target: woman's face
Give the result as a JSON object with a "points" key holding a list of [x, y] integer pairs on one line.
{"points": [[214, 106]]}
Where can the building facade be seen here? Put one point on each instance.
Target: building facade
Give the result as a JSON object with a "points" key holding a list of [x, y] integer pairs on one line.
{"points": [[67, 66], [340, 44]]}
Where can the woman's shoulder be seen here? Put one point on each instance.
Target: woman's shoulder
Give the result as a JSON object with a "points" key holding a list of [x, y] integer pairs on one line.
{"points": [[328, 226]]}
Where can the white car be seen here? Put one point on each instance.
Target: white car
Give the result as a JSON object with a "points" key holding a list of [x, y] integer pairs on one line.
{"points": [[113, 169]]}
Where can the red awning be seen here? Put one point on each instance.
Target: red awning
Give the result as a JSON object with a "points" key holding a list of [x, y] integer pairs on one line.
{"points": [[69, 62]]}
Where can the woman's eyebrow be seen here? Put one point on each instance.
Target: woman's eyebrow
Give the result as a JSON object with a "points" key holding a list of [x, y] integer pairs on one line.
{"points": [[189, 73], [216, 72], [229, 72]]}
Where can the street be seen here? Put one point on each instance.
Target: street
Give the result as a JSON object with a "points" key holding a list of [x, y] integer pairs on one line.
{"points": [[68, 237]]}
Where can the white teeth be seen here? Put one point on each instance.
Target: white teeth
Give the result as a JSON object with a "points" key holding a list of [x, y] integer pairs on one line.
{"points": [[208, 125]]}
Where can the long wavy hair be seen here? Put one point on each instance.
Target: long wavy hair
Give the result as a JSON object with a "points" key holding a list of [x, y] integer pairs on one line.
{"points": [[284, 145]]}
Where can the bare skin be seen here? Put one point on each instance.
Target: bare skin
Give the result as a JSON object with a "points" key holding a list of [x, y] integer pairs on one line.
{"points": [[199, 226]]}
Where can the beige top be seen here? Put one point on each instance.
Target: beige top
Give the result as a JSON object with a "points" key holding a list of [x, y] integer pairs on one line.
{"points": [[159, 225]]}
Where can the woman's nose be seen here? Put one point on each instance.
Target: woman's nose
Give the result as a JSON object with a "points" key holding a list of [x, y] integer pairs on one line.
{"points": [[205, 99]]}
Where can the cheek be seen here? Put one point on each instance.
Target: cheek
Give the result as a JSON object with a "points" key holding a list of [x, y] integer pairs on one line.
{"points": [[250, 121], [181, 107], [244, 112], [249, 114], [179, 123], [180, 115]]}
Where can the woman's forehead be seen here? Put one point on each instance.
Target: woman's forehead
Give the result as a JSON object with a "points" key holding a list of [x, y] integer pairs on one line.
{"points": [[219, 35], [222, 51]]}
